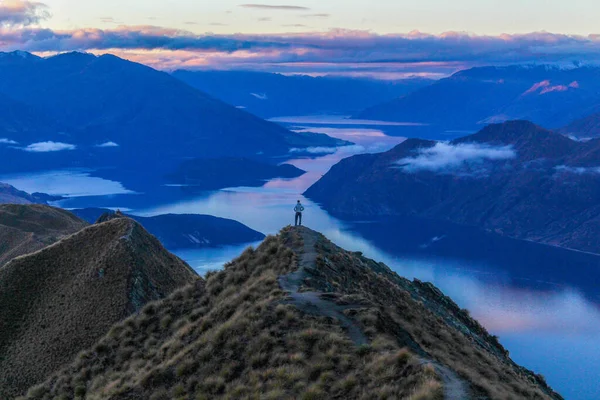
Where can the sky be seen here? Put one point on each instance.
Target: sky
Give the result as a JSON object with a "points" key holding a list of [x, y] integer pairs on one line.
{"points": [[381, 38]]}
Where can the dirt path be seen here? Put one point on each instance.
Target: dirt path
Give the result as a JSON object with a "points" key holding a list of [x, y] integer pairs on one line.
{"points": [[312, 302], [455, 388]]}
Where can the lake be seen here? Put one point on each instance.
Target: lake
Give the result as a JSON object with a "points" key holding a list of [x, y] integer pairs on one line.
{"points": [[542, 301]]}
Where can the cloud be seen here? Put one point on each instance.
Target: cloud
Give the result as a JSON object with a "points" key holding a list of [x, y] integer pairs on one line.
{"points": [[260, 96], [46, 147], [264, 19], [445, 157], [544, 87], [274, 7], [314, 150], [22, 12], [336, 51], [7, 141], [108, 144], [578, 170], [321, 15]]}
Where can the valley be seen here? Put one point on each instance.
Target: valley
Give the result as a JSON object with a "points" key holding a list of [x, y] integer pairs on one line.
{"points": [[549, 291]]}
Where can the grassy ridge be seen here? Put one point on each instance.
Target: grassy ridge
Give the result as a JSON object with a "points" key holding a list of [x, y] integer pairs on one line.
{"points": [[62, 299], [235, 337]]}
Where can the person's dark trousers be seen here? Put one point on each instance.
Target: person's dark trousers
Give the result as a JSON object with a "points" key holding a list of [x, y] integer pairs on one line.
{"points": [[298, 218]]}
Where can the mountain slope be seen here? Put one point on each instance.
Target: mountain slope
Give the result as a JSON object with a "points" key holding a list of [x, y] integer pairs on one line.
{"points": [[28, 228], [10, 195], [60, 300], [137, 113], [273, 95], [184, 231], [584, 128], [540, 186], [546, 95], [218, 173], [298, 318], [23, 124]]}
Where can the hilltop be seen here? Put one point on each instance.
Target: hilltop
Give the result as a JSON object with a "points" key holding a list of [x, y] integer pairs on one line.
{"points": [[298, 317], [28, 228], [61, 299]]}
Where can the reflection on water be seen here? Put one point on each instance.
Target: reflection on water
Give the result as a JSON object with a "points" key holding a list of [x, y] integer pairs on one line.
{"points": [[541, 301], [204, 261], [74, 183], [338, 120], [568, 362]]}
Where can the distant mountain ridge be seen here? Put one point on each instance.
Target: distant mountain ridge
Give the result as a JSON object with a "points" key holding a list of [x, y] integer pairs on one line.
{"points": [[9, 194], [113, 112], [584, 128], [274, 95], [548, 96], [514, 178], [217, 173], [185, 231]]}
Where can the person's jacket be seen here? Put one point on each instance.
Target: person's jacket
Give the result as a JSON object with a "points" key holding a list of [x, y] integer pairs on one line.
{"points": [[299, 208]]}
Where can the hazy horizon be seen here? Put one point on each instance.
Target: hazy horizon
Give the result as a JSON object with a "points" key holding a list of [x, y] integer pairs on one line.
{"points": [[388, 39]]}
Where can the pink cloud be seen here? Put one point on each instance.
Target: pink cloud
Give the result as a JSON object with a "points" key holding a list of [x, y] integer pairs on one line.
{"points": [[558, 88], [536, 87], [22, 12], [437, 54], [544, 87]]}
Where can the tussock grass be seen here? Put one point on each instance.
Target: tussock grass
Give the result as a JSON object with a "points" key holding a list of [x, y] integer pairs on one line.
{"points": [[421, 318], [235, 338], [63, 298]]}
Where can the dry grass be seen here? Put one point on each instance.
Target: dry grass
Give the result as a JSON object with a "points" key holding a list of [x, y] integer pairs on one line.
{"points": [[28, 228], [62, 299], [235, 338], [421, 318]]}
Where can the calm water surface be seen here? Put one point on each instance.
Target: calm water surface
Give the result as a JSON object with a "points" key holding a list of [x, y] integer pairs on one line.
{"points": [[542, 301]]}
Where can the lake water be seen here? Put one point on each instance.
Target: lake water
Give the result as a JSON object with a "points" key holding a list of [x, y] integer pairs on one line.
{"points": [[542, 301]]}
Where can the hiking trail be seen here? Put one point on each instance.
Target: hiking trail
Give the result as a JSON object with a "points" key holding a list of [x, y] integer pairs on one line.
{"points": [[314, 303]]}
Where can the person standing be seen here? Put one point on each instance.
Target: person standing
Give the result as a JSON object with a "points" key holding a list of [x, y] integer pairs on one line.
{"points": [[299, 208]]}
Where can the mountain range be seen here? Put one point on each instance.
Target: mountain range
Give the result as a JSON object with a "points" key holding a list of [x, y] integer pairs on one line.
{"points": [[297, 317], [274, 95], [119, 114], [546, 95], [515, 178]]}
